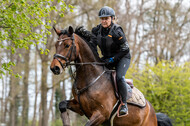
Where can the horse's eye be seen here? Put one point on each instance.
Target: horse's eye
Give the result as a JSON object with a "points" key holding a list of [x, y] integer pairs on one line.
{"points": [[66, 46]]}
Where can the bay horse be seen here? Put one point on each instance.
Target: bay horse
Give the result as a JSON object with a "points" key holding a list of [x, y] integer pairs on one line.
{"points": [[93, 91]]}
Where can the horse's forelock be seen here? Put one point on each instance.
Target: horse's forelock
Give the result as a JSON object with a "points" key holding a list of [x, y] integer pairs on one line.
{"points": [[65, 32]]}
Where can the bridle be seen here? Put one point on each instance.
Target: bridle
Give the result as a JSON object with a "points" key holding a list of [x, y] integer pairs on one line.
{"points": [[67, 58], [72, 50]]}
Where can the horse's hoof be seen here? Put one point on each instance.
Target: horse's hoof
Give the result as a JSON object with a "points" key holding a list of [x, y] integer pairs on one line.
{"points": [[63, 106]]}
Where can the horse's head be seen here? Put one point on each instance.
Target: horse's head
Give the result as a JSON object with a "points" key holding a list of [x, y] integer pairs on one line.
{"points": [[66, 50]]}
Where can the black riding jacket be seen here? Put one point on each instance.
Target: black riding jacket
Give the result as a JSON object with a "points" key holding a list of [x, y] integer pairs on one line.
{"points": [[111, 41]]}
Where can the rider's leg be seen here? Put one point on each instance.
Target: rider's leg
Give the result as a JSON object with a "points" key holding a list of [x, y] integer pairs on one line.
{"points": [[122, 88], [121, 70]]}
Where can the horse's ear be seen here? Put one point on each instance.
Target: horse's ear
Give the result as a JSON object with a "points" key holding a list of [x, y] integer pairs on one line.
{"points": [[57, 31], [71, 30]]}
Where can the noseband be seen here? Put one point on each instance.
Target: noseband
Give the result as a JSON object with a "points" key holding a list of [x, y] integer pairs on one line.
{"points": [[67, 58]]}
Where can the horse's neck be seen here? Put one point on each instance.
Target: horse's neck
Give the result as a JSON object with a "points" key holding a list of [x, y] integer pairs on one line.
{"points": [[85, 53], [86, 73]]}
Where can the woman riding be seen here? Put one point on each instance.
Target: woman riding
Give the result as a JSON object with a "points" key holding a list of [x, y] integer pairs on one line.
{"points": [[115, 50]]}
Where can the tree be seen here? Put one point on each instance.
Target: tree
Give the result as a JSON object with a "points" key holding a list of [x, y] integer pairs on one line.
{"points": [[17, 21], [20, 23], [167, 31], [166, 86]]}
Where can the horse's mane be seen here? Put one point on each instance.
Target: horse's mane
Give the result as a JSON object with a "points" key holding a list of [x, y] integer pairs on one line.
{"points": [[86, 36]]}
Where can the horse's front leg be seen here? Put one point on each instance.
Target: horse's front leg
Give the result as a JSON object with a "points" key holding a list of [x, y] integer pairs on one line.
{"points": [[96, 119], [70, 104]]}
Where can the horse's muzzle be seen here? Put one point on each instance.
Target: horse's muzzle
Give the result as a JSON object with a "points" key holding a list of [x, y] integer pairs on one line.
{"points": [[56, 70]]}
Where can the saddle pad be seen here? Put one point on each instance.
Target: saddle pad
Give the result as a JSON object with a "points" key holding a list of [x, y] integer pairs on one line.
{"points": [[137, 98]]}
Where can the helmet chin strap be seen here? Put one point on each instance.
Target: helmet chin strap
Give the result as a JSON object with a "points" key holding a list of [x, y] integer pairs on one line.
{"points": [[109, 25], [112, 17], [111, 22]]}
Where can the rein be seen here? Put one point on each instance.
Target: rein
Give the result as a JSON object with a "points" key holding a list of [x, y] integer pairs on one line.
{"points": [[87, 63], [79, 91]]}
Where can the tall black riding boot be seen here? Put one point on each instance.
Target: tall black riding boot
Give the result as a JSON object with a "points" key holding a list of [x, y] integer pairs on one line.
{"points": [[122, 88]]}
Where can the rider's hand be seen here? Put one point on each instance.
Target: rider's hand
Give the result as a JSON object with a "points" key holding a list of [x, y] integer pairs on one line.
{"points": [[109, 60]]}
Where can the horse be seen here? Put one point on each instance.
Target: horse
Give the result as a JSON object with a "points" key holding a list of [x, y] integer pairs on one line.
{"points": [[92, 90]]}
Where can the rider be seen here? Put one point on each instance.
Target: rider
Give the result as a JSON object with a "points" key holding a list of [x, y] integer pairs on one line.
{"points": [[115, 50]]}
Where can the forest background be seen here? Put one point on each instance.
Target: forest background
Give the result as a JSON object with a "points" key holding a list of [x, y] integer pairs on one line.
{"points": [[158, 33]]}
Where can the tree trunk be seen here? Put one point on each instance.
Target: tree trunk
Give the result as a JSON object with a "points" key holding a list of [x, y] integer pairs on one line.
{"points": [[40, 115], [36, 91], [44, 93], [14, 102], [2, 120], [25, 91], [51, 101], [12, 97]]}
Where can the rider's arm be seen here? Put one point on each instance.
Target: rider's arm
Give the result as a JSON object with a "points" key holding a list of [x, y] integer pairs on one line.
{"points": [[119, 38], [94, 38]]}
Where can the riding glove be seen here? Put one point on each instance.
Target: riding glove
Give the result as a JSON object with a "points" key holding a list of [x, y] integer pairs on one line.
{"points": [[109, 60]]}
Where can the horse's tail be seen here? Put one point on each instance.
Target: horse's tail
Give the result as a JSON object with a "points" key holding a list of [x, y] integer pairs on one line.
{"points": [[163, 120]]}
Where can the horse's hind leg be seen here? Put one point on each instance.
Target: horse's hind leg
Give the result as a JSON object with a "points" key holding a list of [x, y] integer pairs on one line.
{"points": [[96, 119]]}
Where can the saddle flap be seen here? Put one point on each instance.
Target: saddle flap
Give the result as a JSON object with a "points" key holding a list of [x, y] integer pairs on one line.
{"points": [[129, 83], [113, 73]]}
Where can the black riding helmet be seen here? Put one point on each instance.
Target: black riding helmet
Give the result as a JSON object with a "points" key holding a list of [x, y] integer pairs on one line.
{"points": [[106, 12]]}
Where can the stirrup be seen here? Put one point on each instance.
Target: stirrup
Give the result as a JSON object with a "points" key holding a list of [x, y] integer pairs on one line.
{"points": [[121, 107], [123, 110]]}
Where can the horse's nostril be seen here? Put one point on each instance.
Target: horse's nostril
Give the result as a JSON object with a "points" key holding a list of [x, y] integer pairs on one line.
{"points": [[55, 70]]}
